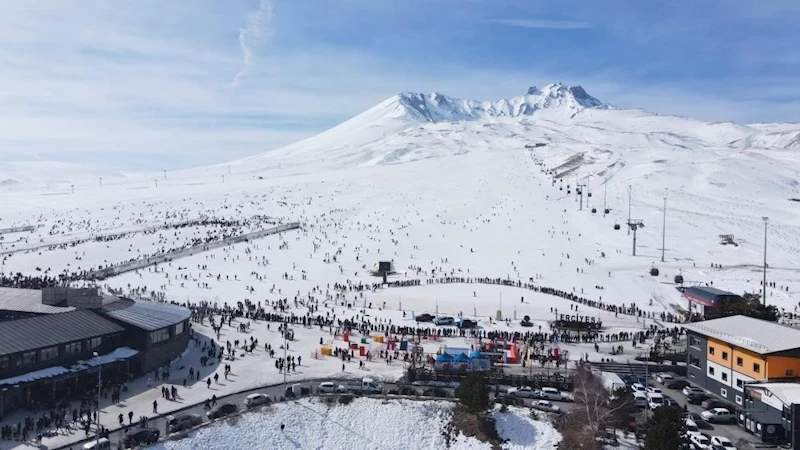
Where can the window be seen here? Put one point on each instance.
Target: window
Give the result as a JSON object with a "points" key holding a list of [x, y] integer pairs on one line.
{"points": [[756, 367], [3, 362], [27, 358], [739, 361], [725, 356], [710, 350], [738, 399], [723, 392], [711, 370], [48, 353], [179, 328], [694, 342], [724, 376], [694, 361], [72, 348], [93, 343], [739, 383], [159, 335]]}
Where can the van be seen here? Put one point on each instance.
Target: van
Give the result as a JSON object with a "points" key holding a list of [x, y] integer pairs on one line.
{"points": [[639, 399], [655, 400]]}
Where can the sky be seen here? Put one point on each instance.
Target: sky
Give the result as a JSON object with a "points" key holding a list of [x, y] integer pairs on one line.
{"points": [[154, 85]]}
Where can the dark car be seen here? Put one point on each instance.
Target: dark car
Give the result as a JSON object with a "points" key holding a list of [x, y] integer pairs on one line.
{"points": [[424, 318], [676, 384], [434, 392], [138, 437], [711, 403], [700, 422], [183, 422], [466, 323], [403, 390], [222, 410], [696, 398]]}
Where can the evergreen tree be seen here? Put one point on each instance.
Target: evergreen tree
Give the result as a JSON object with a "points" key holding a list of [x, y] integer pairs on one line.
{"points": [[666, 430], [473, 393]]}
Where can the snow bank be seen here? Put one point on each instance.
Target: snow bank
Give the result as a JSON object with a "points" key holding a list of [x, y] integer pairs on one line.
{"points": [[521, 432], [312, 424]]}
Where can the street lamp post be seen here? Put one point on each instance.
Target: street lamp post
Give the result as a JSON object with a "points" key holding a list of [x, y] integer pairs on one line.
{"points": [[99, 384], [764, 285]]}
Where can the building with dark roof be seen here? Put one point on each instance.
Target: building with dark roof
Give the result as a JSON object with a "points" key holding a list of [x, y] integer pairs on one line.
{"points": [[702, 297], [50, 340]]}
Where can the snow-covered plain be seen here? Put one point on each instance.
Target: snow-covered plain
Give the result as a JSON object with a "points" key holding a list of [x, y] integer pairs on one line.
{"points": [[364, 423], [442, 187]]}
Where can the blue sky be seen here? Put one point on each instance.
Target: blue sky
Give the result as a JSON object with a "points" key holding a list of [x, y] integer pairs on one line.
{"points": [[151, 85]]}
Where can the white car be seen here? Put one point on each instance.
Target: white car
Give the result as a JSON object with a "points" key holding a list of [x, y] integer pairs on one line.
{"points": [[524, 392], [689, 389], [256, 399], [98, 444], [663, 377], [653, 390], [544, 405], [638, 387], [329, 387], [444, 320], [722, 441], [700, 441], [655, 400], [691, 427], [718, 415]]}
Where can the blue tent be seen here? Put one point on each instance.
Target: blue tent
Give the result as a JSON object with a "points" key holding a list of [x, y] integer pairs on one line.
{"points": [[474, 354], [443, 358], [461, 358]]}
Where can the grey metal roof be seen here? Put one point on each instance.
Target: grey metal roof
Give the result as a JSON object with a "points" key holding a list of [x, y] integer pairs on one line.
{"points": [[27, 300], [756, 335], [147, 315], [710, 290], [45, 331]]}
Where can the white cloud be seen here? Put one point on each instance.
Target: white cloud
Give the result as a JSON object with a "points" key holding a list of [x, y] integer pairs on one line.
{"points": [[256, 28], [545, 24]]}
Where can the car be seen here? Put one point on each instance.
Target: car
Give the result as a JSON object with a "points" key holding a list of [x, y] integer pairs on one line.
{"points": [[424, 318], [183, 422], [723, 442], [402, 390], [222, 410], [700, 441], [524, 392], [664, 377], [676, 384], [329, 387], [653, 390], [466, 323], [669, 401], [691, 427], [711, 403], [696, 398], [718, 415], [544, 405], [97, 444], [256, 399], [701, 423], [689, 389], [136, 438], [655, 400], [434, 392], [551, 393], [506, 399], [638, 387], [444, 320]]}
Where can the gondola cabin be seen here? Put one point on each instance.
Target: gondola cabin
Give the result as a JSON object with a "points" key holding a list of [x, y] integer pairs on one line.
{"points": [[654, 271], [616, 226], [678, 279], [594, 210]]}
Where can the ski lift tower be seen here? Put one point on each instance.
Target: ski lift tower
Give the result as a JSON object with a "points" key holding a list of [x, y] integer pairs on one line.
{"points": [[633, 225], [581, 187]]}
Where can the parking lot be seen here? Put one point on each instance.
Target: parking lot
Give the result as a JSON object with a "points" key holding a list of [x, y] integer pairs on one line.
{"points": [[741, 438]]}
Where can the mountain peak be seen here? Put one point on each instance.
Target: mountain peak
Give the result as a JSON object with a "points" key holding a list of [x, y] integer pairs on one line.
{"points": [[437, 107]]}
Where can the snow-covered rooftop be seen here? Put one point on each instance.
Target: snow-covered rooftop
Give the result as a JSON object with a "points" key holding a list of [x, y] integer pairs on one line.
{"points": [[762, 336], [27, 300]]}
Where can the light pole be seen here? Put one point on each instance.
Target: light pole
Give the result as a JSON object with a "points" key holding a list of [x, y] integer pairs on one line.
{"points": [[629, 207], [664, 230], [99, 378], [764, 296]]}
